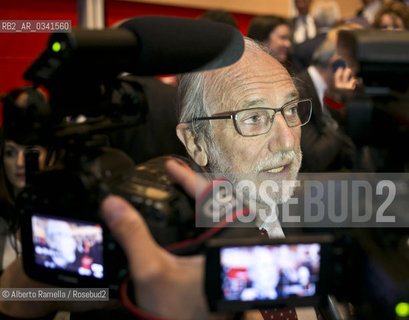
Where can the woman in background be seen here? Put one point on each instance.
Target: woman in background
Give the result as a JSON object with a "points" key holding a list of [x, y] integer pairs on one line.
{"points": [[393, 15], [274, 32], [17, 140]]}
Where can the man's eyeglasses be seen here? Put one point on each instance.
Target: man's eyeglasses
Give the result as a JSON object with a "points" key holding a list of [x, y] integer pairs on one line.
{"points": [[257, 121]]}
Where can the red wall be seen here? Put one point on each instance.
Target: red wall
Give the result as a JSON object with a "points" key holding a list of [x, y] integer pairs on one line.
{"points": [[18, 51]]}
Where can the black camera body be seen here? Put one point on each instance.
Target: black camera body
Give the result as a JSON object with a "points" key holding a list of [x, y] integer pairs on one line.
{"points": [[363, 270], [244, 274], [382, 62], [65, 241]]}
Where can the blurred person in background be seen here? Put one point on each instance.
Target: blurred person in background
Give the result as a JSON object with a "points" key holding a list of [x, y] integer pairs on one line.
{"points": [[369, 9], [393, 15], [325, 145], [344, 48], [220, 15], [326, 15], [273, 32], [303, 25], [17, 141]]}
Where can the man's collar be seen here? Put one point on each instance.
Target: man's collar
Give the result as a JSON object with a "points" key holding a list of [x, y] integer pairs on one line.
{"points": [[271, 225], [319, 83]]}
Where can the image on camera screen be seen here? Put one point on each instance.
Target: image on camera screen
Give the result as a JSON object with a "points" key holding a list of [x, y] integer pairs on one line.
{"points": [[269, 272], [68, 245]]}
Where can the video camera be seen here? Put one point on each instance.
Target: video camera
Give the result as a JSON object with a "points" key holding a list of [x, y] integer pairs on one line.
{"points": [[350, 274], [87, 74], [377, 115], [365, 260]]}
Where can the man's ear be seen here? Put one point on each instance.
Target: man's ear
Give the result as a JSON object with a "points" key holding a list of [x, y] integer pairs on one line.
{"points": [[196, 147]]}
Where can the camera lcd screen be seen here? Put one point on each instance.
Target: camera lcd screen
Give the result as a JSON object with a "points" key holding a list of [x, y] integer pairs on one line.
{"points": [[68, 245], [269, 272]]}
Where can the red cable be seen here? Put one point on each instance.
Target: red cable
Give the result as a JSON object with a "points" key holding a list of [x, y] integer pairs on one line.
{"points": [[130, 306], [206, 235], [177, 245]]}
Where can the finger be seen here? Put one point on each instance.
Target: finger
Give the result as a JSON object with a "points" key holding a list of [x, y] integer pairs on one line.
{"points": [[130, 230], [343, 79], [338, 73], [338, 77], [351, 81], [352, 84], [190, 181], [347, 74]]}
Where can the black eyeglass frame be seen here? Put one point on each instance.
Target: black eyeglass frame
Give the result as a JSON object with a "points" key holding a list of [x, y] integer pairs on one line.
{"points": [[233, 115]]}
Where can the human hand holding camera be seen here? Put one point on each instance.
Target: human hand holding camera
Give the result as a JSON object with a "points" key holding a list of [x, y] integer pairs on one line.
{"points": [[165, 285]]}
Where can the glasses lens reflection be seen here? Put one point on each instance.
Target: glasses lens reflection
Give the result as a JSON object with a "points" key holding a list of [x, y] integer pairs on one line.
{"points": [[259, 121]]}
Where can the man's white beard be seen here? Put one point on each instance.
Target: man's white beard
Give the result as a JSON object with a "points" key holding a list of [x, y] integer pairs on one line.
{"points": [[220, 166]]}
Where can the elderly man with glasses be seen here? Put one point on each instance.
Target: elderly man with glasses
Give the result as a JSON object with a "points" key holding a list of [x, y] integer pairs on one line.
{"points": [[244, 121], [241, 119]]}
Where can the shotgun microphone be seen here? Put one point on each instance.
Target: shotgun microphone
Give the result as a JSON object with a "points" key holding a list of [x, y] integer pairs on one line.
{"points": [[150, 45]]}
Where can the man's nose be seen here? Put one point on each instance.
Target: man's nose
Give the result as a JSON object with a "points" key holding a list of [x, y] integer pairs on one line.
{"points": [[281, 136]]}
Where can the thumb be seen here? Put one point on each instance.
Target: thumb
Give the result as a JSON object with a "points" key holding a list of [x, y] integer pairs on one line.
{"points": [[190, 181], [130, 230]]}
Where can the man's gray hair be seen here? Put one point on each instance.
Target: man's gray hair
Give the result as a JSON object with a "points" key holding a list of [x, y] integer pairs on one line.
{"points": [[326, 13], [192, 101], [323, 54], [198, 92]]}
